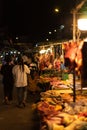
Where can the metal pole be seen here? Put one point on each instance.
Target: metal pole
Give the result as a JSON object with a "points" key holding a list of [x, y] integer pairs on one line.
{"points": [[78, 7], [74, 39], [74, 86], [74, 25]]}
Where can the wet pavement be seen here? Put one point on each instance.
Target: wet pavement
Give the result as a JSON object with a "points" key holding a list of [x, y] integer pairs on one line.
{"points": [[13, 118]]}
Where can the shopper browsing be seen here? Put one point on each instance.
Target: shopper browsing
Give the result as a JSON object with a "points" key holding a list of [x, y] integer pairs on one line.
{"points": [[20, 72]]}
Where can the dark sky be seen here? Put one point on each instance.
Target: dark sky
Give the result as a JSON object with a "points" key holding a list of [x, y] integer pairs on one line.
{"points": [[33, 17]]}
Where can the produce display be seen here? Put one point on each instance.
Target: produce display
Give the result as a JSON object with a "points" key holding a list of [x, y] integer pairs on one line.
{"points": [[59, 112], [56, 107], [56, 83]]}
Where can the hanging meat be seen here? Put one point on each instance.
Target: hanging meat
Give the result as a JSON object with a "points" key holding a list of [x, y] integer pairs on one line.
{"points": [[73, 54]]}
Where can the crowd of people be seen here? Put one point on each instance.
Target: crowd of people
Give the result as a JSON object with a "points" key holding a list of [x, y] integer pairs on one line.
{"points": [[24, 72], [15, 75]]}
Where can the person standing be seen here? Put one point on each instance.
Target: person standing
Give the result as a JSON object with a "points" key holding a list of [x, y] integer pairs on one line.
{"points": [[20, 72], [8, 81]]}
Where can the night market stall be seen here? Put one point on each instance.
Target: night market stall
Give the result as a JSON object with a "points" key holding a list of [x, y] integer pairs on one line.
{"points": [[64, 107]]}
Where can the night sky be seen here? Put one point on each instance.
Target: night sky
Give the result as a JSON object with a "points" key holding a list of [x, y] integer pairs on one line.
{"points": [[34, 18]]}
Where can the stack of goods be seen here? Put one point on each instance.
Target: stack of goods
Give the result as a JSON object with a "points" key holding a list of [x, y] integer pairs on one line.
{"points": [[58, 112], [56, 83], [60, 84], [51, 73]]}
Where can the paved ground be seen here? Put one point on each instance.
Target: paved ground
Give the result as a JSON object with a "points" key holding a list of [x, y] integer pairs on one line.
{"points": [[13, 118]]}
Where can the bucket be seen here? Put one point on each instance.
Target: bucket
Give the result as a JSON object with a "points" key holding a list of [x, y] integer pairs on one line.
{"points": [[65, 76]]}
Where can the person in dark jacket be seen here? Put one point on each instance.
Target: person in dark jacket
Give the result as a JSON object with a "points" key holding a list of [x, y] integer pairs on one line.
{"points": [[8, 81]]}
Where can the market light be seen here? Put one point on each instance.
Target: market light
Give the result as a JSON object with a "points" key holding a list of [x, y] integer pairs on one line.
{"points": [[49, 50], [11, 52], [17, 38], [36, 45], [18, 52], [14, 52], [82, 24], [6, 53], [47, 39], [56, 10], [50, 32], [2, 56], [55, 30], [42, 51]]}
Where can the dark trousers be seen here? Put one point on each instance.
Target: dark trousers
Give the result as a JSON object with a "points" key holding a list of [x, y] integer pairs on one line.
{"points": [[8, 91], [21, 94]]}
